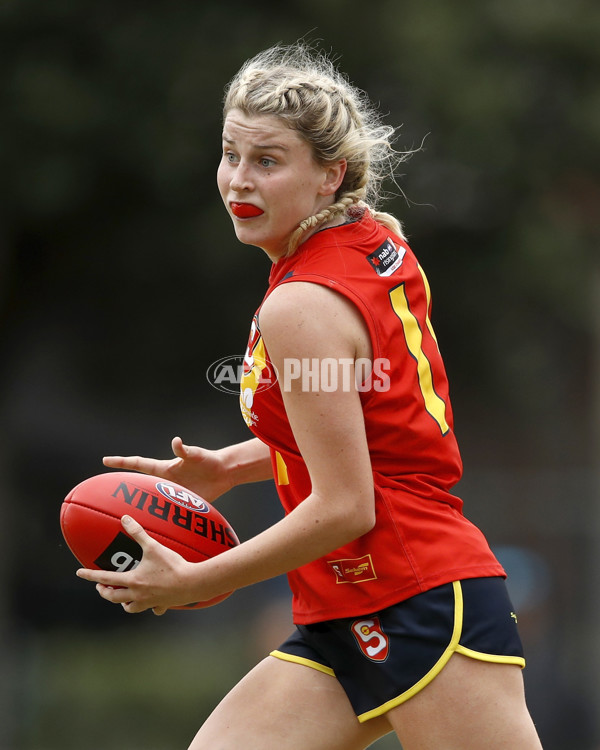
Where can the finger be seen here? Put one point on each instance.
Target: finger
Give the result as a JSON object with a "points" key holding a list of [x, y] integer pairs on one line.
{"points": [[179, 449], [131, 463], [158, 611], [137, 532], [134, 608], [114, 594], [122, 596], [102, 577]]}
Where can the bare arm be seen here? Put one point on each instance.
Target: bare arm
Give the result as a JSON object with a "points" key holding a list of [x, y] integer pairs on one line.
{"points": [[329, 430]]}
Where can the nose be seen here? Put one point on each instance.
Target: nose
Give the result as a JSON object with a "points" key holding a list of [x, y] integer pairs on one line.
{"points": [[241, 179]]}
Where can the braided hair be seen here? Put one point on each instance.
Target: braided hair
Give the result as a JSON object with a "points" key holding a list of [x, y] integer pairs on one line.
{"points": [[336, 119]]}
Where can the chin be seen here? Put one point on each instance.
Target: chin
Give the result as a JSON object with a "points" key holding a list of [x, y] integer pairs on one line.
{"points": [[246, 237]]}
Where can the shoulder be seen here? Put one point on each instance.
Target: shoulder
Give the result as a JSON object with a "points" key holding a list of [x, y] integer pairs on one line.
{"points": [[300, 304], [299, 298], [309, 316]]}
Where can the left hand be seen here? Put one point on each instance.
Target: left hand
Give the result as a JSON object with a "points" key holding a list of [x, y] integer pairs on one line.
{"points": [[161, 580]]}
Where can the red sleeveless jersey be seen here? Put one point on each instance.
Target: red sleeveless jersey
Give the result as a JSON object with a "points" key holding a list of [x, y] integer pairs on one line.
{"points": [[421, 538]]}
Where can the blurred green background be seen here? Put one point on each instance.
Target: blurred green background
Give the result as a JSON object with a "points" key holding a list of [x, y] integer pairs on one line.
{"points": [[121, 281]]}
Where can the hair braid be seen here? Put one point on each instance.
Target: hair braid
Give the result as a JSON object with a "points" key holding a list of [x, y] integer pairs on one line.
{"points": [[327, 214]]}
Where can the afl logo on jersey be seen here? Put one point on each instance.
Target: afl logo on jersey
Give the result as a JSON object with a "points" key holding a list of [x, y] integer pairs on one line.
{"points": [[387, 258]]}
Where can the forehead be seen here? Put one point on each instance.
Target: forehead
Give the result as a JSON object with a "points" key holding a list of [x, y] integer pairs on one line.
{"points": [[259, 130]]}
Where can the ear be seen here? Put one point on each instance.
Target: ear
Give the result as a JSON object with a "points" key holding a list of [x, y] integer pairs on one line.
{"points": [[334, 174]]}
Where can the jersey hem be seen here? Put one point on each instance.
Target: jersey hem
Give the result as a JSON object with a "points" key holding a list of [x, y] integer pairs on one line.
{"points": [[391, 598]]}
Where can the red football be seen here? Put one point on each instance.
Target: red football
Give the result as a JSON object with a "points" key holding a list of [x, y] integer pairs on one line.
{"points": [[90, 519]]}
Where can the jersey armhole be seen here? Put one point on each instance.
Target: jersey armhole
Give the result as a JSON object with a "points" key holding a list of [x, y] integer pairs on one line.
{"points": [[349, 294]]}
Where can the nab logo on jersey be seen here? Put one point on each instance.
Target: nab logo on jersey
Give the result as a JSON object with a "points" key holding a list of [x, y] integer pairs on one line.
{"points": [[371, 639], [387, 258]]}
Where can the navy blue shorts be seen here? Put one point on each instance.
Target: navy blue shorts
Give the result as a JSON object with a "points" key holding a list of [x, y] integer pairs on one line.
{"points": [[383, 659]]}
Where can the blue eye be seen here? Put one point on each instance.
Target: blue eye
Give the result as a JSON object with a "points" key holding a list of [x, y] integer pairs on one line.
{"points": [[266, 163]]}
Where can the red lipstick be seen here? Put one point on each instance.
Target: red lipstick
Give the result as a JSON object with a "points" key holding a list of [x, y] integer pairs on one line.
{"points": [[245, 210]]}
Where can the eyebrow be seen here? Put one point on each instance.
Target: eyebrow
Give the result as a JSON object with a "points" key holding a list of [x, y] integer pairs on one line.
{"points": [[260, 146]]}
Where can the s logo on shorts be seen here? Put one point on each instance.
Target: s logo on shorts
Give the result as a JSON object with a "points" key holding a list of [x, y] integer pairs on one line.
{"points": [[371, 639]]}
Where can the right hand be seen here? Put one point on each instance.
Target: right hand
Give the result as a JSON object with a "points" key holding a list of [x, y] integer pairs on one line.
{"points": [[196, 469]]}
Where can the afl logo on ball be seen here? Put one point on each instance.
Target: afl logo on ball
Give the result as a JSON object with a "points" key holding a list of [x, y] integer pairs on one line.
{"points": [[182, 497]]}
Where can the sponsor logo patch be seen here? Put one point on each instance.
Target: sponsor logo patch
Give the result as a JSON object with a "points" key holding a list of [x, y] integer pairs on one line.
{"points": [[387, 258], [355, 570]]}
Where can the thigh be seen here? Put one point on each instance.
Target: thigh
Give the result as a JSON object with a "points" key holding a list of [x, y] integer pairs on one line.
{"points": [[287, 706], [470, 705]]}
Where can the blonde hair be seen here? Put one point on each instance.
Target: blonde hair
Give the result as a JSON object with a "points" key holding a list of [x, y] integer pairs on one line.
{"points": [[336, 119]]}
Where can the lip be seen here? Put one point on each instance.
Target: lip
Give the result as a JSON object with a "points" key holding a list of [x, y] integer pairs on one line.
{"points": [[245, 210]]}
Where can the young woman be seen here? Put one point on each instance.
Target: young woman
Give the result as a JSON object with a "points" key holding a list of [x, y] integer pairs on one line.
{"points": [[403, 621]]}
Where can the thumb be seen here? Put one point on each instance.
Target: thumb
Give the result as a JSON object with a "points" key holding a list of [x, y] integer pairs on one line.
{"points": [[179, 449], [136, 531]]}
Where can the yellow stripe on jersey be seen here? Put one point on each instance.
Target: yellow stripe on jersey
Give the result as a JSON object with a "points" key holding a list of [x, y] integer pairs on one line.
{"points": [[428, 296], [434, 404]]}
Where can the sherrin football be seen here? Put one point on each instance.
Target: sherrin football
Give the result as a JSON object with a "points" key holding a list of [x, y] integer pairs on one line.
{"points": [[90, 519]]}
